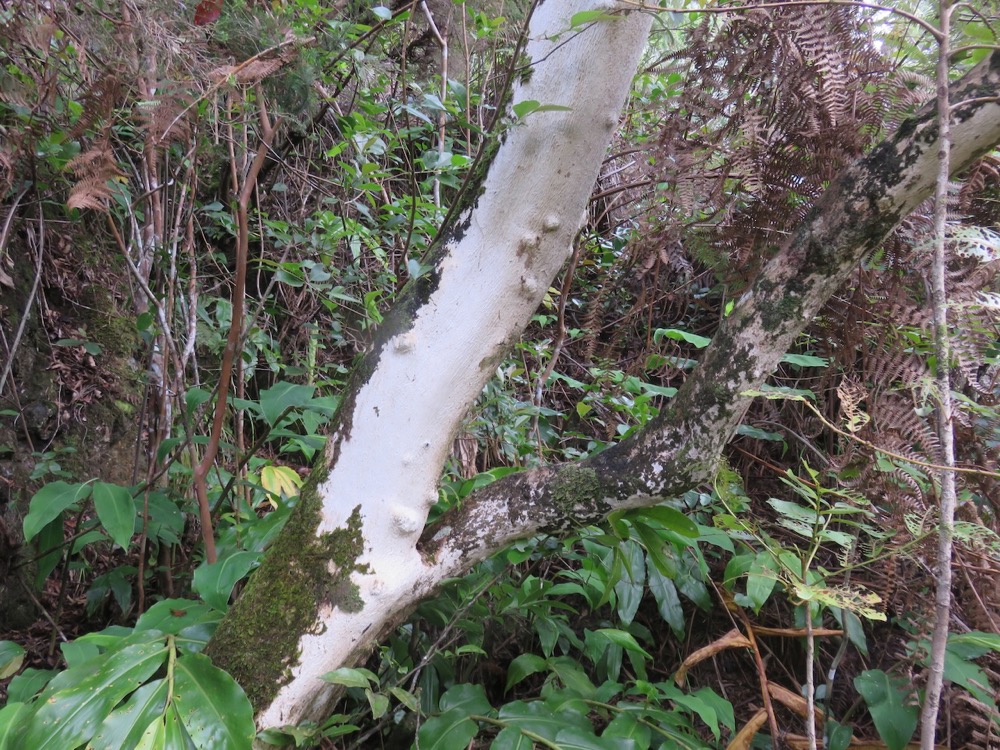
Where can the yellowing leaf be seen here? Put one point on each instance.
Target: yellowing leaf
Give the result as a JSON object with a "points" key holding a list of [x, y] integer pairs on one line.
{"points": [[280, 481]]}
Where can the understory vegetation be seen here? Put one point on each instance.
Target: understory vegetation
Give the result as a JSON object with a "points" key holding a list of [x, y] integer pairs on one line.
{"points": [[207, 208]]}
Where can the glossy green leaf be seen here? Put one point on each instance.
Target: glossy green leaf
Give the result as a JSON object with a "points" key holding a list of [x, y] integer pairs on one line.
{"points": [[214, 582], [511, 738], [889, 703], [804, 360], [672, 519], [116, 510], [584, 17], [378, 703], [625, 640], [176, 735], [694, 339], [452, 730], [127, 725], [541, 719], [838, 736], [48, 503], [761, 579], [281, 396], [49, 544], [213, 708], [470, 698], [572, 675], [627, 726], [405, 697], [24, 687], [173, 615], [523, 666], [11, 658], [351, 677], [10, 718], [667, 601], [573, 738], [69, 717]]}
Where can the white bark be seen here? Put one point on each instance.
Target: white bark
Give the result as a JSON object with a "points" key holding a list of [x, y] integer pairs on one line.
{"points": [[386, 457]]}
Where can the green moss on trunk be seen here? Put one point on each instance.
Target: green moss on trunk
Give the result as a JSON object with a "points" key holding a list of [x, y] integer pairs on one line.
{"points": [[258, 641]]}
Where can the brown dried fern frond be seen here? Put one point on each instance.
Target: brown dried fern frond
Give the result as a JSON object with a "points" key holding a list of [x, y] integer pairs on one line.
{"points": [[96, 170]]}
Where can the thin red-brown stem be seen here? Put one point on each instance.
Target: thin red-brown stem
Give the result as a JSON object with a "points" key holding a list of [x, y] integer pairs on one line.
{"points": [[235, 328]]}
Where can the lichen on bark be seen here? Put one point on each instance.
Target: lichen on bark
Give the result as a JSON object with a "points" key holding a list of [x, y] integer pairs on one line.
{"points": [[258, 641]]}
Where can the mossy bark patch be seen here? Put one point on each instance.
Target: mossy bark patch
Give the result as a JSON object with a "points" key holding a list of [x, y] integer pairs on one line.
{"points": [[258, 641]]}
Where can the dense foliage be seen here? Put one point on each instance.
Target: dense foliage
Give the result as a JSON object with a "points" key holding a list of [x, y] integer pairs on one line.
{"points": [[205, 217]]}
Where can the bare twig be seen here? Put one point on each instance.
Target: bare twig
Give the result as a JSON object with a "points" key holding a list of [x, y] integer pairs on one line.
{"points": [[40, 249]]}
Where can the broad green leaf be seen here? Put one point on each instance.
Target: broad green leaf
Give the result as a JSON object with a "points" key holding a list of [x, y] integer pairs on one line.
{"points": [[127, 725], [79, 652], [524, 108], [469, 698], [625, 640], [667, 601], [961, 670], [761, 579], [10, 718], [573, 738], [631, 586], [523, 666], [405, 697], [589, 16], [214, 583], [838, 736], [352, 678], [116, 510], [23, 687], [657, 549], [696, 703], [984, 641], [213, 708], [541, 719], [510, 738], [888, 700], [49, 544], [379, 703], [694, 339], [281, 396], [173, 615], [48, 503], [11, 658], [382, 13], [177, 737], [154, 736], [626, 726], [804, 360], [452, 730], [69, 717], [671, 518], [572, 675]]}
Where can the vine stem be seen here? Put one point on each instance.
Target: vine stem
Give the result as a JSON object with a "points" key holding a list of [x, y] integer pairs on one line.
{"points": [[946, 431]]}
